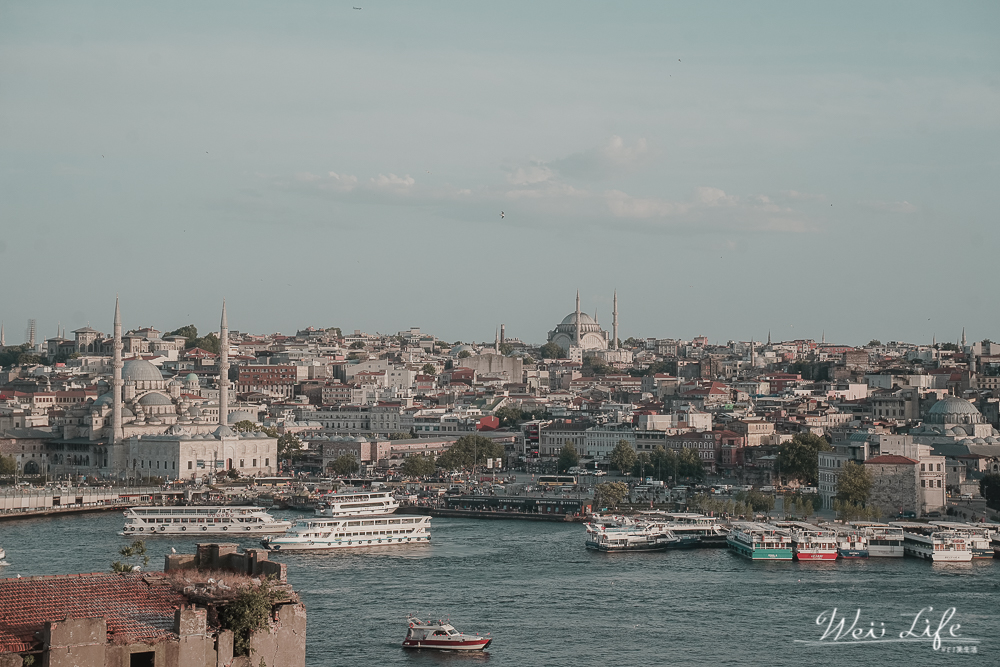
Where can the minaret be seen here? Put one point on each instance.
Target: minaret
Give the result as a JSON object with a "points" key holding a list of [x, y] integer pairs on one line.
{"points": [[823, 341], [503, 333], [496, 343], [3, 339], [223, 368], [769, 338], [614, 320], [576, 336], [117, 434], [963, 338], [753, 355]]}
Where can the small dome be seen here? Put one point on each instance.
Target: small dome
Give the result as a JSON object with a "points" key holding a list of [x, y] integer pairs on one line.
{"points": [[361, 438], [126, 412], [154, 399], [175, 383], [103, 399], [140, 370], [224, 432], [191, 377], [240, 416]]}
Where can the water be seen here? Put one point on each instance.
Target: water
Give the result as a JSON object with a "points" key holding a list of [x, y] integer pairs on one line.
{"points": [[549, 601]]}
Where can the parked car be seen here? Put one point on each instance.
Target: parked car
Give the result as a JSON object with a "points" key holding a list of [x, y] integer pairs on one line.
{"points": [[600, 473]]}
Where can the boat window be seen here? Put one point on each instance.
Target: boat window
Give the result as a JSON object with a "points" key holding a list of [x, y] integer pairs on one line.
{"points": [[440, 632]]}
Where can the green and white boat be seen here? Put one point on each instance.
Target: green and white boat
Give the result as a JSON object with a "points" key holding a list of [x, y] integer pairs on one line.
{"points": [[760, 541]]}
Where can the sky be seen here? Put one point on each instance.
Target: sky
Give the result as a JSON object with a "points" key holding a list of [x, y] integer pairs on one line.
{"points": [[731, 168]]}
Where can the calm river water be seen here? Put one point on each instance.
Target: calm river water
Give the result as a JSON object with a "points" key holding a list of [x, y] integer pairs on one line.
{"points": [[549, 601]]}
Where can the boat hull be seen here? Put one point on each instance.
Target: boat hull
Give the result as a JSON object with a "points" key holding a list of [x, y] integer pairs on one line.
{"points": [[759, 554], [631, 547], [446, 645], [816, 555], [853, 553], [329, 545], [234, 530]]}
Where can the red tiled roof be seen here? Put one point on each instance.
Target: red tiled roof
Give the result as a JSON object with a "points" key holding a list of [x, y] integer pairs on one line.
{"points": [[892, 459], [134, 608]]}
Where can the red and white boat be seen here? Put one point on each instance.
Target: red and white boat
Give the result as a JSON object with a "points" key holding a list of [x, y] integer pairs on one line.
{"points": [[442, 636], [811, 542]]}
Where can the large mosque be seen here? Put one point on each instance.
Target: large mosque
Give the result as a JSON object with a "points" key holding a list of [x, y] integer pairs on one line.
{"points": [[579, 333], [146, 426]]}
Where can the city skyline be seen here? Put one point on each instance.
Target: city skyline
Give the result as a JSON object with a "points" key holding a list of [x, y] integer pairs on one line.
{"points": [[728, 169]]}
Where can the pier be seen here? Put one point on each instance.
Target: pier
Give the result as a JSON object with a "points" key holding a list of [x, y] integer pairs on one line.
{"points": [[30, 502]]}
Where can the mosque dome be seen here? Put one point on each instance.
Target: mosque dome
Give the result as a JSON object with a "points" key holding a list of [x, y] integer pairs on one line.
{"points": [[154, 399], [224, 432], [240, 416], [191, 377], [361, 438], [461, 348], [585, 319], [140, 370], [954, 410], [103, 399]]}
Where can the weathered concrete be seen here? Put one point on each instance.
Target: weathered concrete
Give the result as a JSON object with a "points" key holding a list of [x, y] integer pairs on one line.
{"points": [[75, 642]]}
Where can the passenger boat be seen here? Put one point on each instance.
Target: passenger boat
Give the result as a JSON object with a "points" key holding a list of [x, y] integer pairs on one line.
{"points": [[925, 541], [629, 536], [692, 529], [361, 503], [810, 542], [884, 541], [760, 541], [321, 534], [852, 543], [442, 636], [979, 538], [3, 554], [201, 521]]}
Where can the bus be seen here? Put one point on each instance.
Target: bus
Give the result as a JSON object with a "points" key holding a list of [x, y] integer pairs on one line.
{"points": [[556, 480]]}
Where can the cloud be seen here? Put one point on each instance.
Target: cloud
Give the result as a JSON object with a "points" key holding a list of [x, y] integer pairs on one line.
{"points": [[802, 196], [890, 206], [393, 182], [332, 181], [709, 209], [611, 159], [535, 172]]}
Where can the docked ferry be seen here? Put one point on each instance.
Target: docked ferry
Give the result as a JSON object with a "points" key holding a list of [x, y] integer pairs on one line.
{"points": [[924, 541], [811, 542], [201, 520], [318, 534], [691, 528], [760, 541], [884, 541], [852, 543], [979, 537], [629, 536], [364, 503]]}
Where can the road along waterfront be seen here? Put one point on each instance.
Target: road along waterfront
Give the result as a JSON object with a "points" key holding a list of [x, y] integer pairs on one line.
{"points": [[549, 601]]}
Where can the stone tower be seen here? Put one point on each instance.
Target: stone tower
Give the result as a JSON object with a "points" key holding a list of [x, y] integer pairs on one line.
{"points": [[117, 434], [614, 321]]}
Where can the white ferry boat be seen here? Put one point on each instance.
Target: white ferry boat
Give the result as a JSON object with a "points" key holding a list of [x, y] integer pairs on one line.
{"points": [[923, 541], [760, 541], [359, 503], [884, 541], [629, 536], [979, 537], [810, 542], [318, 534], [201, 520], [692, 529]]}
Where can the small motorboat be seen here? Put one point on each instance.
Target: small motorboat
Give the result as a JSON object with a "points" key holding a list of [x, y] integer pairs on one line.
{"points": [[3, 554], [442, 636]]}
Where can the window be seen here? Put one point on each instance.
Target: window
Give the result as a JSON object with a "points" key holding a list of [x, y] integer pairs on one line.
{"points": [[939, 484], [267, 462], [922, 467], [923, 482], [241, 463], [190, 463], [939, 467]]}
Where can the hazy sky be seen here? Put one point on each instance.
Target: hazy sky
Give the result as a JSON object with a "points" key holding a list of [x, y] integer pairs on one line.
{"points": [[730, 168]]}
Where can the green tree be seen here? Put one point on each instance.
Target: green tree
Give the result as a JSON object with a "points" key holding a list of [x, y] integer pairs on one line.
{"points": [[506, 348], [643, 465], [689, 465], [233, 473], [799, 457], [609, 494], [357, 345], [401, 435], [248, 613], [874, 342], [469, 450], [552, 351], [132, 556], [633, 343], [989, 488], [345, 464], [209, 343], [245, 426], [568, 457], [289, 446], [663, 463], [623, 457], [597, 366], [509, 415], [464, 354], [7, 465], [190, 332], [854, 483], [429, 369], [949, 347], [418, 466]]}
